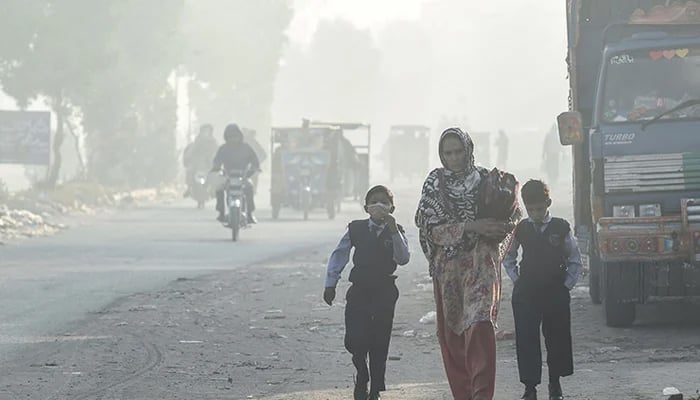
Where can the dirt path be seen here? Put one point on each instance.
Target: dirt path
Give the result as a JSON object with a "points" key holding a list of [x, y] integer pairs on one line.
{"points": [[262, 332]]}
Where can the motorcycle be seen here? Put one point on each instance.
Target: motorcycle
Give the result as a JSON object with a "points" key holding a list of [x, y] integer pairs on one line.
{"points": [[236, 209], [200, 189]]}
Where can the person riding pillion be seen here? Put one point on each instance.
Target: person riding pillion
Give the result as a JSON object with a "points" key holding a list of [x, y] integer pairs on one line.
{"points": [[233, 155], [198, 154]]}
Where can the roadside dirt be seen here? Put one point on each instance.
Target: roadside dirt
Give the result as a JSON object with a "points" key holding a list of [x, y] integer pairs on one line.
{"points": [[262, 332]]}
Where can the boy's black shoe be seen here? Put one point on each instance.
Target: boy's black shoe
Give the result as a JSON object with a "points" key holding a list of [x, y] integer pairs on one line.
{"points": [[360, 392], [530, 394], [555, 392], [374, 396]]}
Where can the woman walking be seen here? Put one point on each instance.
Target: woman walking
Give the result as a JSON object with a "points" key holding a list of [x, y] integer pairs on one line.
{"points": [[464, 214]]}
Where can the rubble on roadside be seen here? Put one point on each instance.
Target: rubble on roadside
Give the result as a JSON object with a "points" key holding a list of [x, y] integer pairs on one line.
{"points": [[17, 224], [37, 212]]}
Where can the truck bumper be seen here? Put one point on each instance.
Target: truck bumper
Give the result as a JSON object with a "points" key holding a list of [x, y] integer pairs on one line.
{"points": [[660, 256]]}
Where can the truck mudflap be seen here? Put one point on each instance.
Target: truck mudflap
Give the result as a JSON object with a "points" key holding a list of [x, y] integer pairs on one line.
{"points": [[658, 257]]}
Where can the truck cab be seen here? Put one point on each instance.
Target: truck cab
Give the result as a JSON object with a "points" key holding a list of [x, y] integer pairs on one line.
{"points": [[637, 156]]}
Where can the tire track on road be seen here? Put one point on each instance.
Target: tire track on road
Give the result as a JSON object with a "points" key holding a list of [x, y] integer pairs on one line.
{"points": [[153, 359]]}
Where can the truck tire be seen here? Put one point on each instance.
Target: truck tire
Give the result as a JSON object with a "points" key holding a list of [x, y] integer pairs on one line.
{"points": [[617, 313]]}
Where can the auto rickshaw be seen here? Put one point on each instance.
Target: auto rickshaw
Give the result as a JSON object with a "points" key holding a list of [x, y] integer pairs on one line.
{"points": [[304, 169], [408, 151]]}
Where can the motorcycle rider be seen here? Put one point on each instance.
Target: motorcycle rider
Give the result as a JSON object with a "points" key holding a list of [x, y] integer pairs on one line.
{"points": [[198, 155], [235, 154]]}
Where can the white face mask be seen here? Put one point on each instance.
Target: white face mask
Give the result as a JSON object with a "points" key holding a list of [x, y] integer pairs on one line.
{"points": [[378, 210]]}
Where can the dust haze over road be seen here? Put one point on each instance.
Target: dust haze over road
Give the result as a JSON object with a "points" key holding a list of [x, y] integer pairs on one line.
{"points": [[173, 309], [154, 301]]}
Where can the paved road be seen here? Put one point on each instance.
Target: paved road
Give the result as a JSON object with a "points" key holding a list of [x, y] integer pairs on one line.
{"points": [[112, 286], [48, 282]]}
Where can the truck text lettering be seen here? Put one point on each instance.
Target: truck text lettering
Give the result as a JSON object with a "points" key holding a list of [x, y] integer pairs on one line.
{"points": [[619, 138]]}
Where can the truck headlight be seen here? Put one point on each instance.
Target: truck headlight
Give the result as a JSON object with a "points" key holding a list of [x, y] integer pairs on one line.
{"points": [[650, 210], [624, 211]]}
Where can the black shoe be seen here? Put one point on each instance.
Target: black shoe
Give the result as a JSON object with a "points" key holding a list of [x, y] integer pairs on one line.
{"points": [[251, 219], [374, 396], [221, 218], [360, 392], [555, 392], [530, 394]]}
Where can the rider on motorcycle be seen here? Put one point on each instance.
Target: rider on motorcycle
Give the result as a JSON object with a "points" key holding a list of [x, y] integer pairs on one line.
{"points": [[235, 154], [198, 154]]}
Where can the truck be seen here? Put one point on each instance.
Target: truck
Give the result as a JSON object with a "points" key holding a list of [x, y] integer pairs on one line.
{"points": [[634, 127]]}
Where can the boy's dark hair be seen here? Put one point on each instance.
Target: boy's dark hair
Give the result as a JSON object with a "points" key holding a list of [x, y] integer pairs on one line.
{"points": [[535, 191], [380, 189]]}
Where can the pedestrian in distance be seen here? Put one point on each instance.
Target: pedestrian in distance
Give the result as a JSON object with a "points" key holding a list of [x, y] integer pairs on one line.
{"points": [[379, 246]]}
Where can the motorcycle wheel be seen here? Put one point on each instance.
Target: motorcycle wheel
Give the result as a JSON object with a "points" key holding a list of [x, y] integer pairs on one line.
{"points": [[234, 222]]}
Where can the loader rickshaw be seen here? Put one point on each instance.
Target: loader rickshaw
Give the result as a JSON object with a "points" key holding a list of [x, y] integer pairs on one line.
{"points": [[353, 149], [304, 170]]}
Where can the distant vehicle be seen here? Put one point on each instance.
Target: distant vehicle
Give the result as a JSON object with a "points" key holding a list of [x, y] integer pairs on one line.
{"points": [[407, 150], [236, 207], [304, 169], [200, 189], [353, 158]]}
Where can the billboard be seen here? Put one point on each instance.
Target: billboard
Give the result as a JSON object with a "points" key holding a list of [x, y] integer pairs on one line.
{"points": [[25, 137]]}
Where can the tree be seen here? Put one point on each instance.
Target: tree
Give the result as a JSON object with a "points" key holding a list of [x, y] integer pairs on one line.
{"points": [[110, 62], [130, 113], [337, 77], [407, 68], [233, 53], [40, 57]]}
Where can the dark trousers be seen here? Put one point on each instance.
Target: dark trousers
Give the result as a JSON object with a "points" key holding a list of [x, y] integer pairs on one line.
{"points": [[369, 318], [547, 307], [249, 192]]}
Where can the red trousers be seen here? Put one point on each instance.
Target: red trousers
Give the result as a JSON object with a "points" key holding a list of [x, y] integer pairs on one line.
{"points": [[469, 358]]}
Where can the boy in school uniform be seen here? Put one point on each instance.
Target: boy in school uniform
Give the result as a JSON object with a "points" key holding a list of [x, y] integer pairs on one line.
{"points": [[380, 245], [548, 270]]}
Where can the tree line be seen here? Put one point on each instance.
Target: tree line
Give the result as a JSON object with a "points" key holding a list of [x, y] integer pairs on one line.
{"points": [[106, 69]]}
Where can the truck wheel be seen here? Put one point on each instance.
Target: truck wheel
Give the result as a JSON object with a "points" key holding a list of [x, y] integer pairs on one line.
{"points": [[594, 278], [617, 313]]}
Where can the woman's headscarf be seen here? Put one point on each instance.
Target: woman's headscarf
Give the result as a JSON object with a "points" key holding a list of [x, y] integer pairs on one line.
{"points": [[449, 196]]}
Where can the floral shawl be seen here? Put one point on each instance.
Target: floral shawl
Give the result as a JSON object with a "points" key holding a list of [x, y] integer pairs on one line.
{"points": [[465, 265]]}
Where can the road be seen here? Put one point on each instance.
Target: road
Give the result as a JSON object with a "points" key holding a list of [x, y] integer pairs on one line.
{"points": [[157, 302], [46, 283]]}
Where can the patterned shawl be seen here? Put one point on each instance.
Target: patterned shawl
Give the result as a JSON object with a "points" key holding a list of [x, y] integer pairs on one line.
{"points": [[449, 197]]}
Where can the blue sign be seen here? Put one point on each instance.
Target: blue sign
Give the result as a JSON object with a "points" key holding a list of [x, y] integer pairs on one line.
{"points": [[25, 137]]}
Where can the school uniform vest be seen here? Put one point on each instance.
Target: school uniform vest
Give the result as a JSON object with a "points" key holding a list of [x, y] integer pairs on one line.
{"points": [[373, 260], [543, 261]]}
